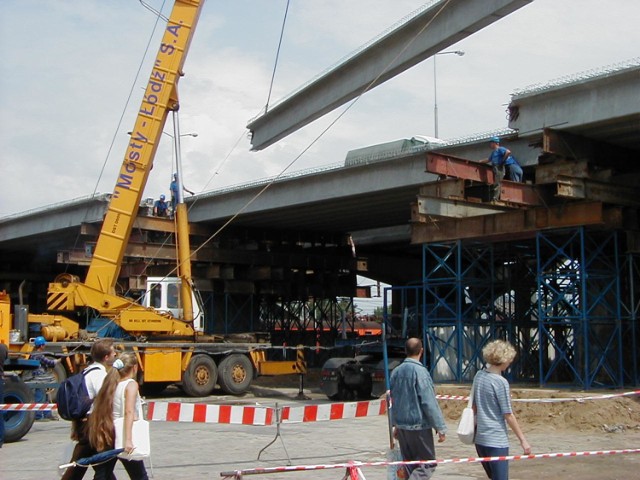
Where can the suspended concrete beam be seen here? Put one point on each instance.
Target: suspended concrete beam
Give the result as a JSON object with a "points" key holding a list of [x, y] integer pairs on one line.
{"points": [[517, 223], [429, 32]]}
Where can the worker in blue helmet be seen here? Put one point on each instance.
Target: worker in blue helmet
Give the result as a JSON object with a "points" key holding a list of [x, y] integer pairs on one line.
{"points": [[161, 207], [43, 374], [504, 165], [173, 187]]}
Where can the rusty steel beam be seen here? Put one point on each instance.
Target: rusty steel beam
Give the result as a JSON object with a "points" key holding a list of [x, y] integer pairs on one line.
{"points": [[586, 189], [520, 193], [510, 192], [516, 223], [448, 188], [576, 147], [548, 172], [451, 166]]}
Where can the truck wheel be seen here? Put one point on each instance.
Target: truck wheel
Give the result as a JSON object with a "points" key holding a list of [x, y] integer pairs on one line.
{"points": [[236, 374], [17, 424], [200, 377]]}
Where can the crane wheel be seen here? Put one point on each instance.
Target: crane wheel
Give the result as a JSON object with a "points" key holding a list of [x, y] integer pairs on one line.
{"points": [[235, 374], [200, 377], [17, 424]]}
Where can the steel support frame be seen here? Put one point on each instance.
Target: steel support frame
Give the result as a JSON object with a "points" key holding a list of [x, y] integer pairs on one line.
{"points": [[579, 308], [631, 314], [458, 307]]}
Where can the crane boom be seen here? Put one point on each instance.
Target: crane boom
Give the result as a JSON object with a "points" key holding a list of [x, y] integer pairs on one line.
{"points": [[160, 97]]}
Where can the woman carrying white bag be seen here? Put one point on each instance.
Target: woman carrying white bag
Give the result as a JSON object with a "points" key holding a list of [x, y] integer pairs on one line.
{"points": [[491, 398], [116, 421]]}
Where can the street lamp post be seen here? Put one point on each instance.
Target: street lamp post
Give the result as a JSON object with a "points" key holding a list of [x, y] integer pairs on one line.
{"points": [[435, 86]]}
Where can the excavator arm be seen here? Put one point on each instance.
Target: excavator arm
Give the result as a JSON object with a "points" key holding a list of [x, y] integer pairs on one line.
{"points": [[160, 97]]}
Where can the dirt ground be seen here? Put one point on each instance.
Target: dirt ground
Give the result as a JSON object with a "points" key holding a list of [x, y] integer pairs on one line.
{"points": [[606, 415], [569, 426], [558, 427]]}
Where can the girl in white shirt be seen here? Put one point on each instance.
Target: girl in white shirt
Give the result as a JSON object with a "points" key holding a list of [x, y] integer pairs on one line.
{"points": [[118, 397]]}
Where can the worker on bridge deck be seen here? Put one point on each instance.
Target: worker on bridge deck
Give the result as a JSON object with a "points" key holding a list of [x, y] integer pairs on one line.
{"points": [[504, 165]]}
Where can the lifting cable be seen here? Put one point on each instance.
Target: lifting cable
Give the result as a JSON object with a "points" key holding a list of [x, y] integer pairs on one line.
{"points": [[313, 142], [322, 133], [275, 65], [113, 140]]}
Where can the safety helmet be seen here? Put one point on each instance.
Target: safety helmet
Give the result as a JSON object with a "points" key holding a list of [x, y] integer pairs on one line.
{"points": [[494, 140], [162, 197], [39, 341]]}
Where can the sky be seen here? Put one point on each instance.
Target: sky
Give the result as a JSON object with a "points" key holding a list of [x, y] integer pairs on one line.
{"points": [[69, 68]]}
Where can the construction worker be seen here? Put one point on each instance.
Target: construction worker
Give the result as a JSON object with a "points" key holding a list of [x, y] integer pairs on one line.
{"points": [[42, 375], [503, 164], [160, 207], [173, 187], [502, 156]]}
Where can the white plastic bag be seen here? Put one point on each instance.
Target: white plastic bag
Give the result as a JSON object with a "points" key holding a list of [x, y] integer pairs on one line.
{"points": [[467, 426], [141, 439]]}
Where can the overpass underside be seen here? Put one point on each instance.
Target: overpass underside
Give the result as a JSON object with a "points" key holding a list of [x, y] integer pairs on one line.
{"points": [[553, 266]]}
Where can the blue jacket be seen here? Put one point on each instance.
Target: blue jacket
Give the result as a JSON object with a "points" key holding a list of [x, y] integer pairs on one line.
{"points": [[414, 404], [497, 157]]}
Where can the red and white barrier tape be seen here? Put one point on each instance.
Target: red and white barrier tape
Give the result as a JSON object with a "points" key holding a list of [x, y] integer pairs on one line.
{"points": [[550, 400], [297, 468], [252, 415], [28, 407], [181, 412], [333, 411], [204, 413]]}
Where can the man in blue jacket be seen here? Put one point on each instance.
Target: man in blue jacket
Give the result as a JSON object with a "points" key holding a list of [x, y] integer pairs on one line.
{"points": [[415, 411]]}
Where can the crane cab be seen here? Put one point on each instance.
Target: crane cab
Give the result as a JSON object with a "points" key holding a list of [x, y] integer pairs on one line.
{"points": [[163, 294]]}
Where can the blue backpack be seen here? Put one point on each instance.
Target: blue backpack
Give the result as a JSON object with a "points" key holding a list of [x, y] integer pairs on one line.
{"points": [[73, 397]]}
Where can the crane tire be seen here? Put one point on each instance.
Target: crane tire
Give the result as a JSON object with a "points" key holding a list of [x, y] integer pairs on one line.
{"points": [[200, 377], [235, 374], [17, 424]]}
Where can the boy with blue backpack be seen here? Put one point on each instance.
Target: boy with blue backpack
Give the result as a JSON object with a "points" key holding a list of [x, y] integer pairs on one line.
{"points": [[72, 406]]}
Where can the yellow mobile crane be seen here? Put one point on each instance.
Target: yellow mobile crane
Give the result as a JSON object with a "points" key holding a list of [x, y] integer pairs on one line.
{"points": [[169, 349]]}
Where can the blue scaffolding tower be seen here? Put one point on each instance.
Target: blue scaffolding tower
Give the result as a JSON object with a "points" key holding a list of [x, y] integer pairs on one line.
{"points": [[567, 299]]}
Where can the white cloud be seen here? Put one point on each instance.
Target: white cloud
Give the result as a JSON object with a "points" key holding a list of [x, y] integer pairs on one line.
{"points": [[68, 68]]}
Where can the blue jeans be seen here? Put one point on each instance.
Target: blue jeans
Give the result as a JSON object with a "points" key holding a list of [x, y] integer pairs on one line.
{"points": [[495, 470], [40, 396], [514, 172]]}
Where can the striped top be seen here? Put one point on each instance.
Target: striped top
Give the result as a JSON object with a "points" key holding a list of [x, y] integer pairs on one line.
{"points": [[492, 399]]}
